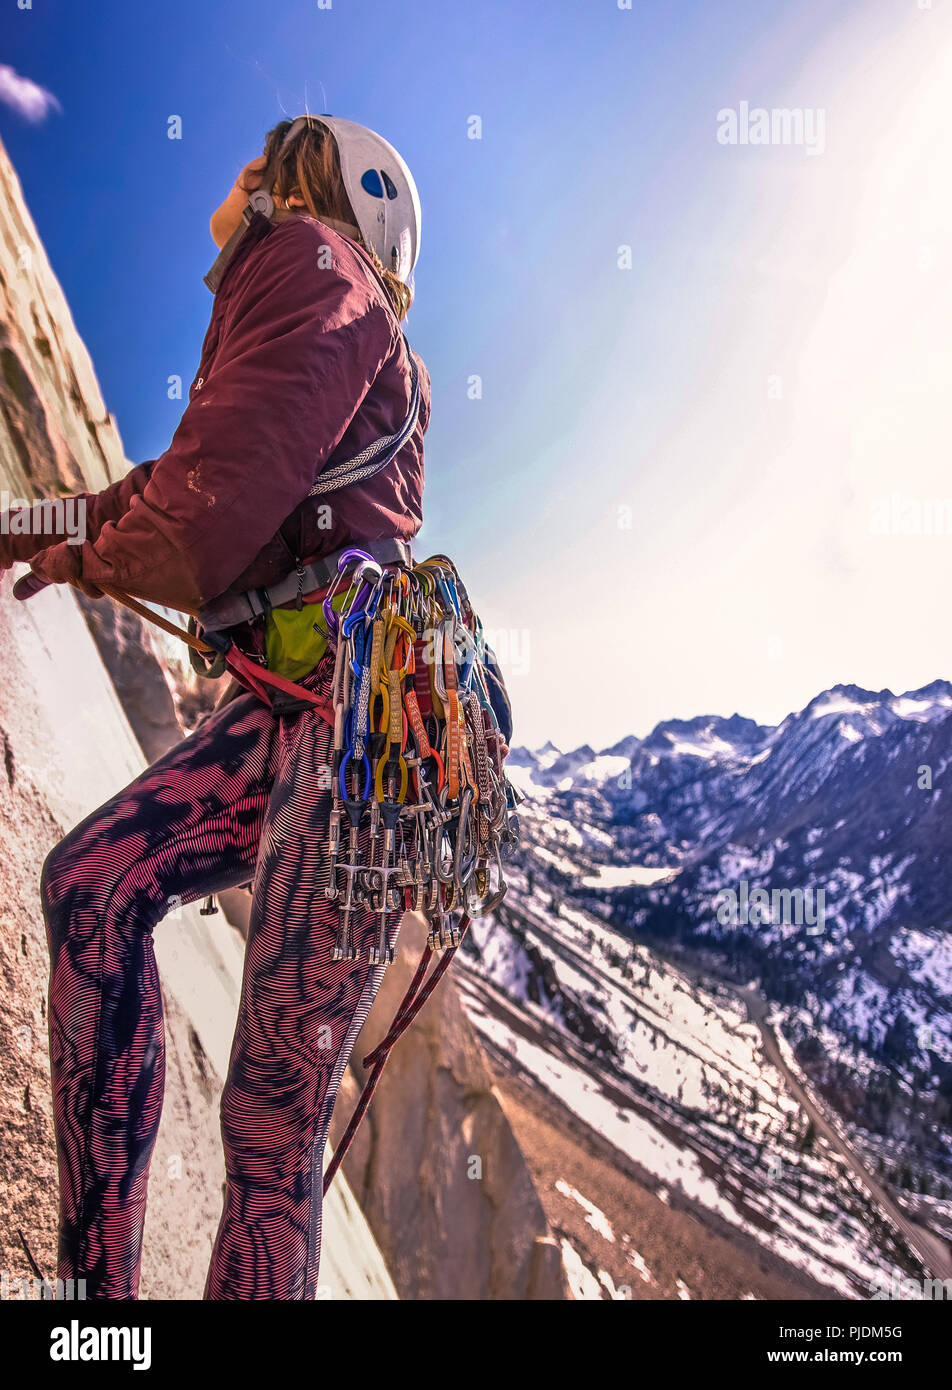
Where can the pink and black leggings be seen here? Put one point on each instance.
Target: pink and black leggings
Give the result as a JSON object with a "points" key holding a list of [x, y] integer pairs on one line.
{"points": [[245, 795]]}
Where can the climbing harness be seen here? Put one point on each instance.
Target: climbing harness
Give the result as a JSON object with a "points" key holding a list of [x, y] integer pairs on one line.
{"points": [[418, 750]]}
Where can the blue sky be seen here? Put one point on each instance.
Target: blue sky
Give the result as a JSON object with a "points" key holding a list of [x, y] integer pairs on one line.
{"points": [[662, 502]]}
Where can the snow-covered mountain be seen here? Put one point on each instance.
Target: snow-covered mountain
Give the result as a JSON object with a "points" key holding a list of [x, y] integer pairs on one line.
{"points": [[844, 799], [644, 860]]}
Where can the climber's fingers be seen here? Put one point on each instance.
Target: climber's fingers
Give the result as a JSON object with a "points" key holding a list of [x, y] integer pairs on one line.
{"points": [[28, 585]]}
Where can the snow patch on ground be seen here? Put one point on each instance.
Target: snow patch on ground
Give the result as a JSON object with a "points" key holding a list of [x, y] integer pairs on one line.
{"points": [[596, 1219], [625, 875], [582, 1282]]}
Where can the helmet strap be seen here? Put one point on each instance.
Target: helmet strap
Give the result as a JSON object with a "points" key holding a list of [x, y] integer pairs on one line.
{"points": [[259, 201], [346, 228]]}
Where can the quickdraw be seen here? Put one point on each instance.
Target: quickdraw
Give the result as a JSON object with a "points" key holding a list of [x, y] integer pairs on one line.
{"points": [[418, 755]]}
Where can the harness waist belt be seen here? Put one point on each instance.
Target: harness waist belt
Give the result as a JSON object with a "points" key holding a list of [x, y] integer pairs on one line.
{"points": [[230, 609]]}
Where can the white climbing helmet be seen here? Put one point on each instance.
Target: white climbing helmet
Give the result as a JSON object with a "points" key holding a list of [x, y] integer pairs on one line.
{"points": [[380, 188]]}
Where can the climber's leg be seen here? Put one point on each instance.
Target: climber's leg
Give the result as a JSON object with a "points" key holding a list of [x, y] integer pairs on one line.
{"points": [[187, 827], [299, 1017]]}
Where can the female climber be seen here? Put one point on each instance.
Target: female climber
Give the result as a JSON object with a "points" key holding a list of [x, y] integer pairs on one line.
{"points": [[304, 362]]}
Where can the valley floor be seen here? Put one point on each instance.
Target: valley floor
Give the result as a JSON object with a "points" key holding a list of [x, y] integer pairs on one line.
{"points": [[641, 1242], [624, 1232]]}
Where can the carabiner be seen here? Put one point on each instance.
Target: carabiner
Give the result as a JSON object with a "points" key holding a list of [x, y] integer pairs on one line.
{"points": [[460, 878], [401, 762], [347, 559], [342, 776], [490, 900]]}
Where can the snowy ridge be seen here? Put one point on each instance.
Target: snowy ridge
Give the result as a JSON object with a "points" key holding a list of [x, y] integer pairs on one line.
{"points": [[836, 816]]}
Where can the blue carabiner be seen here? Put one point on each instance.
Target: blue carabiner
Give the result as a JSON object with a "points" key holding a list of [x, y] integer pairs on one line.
{"points": [[355, 616], [342, 775], [463, 679], [449, 593]]}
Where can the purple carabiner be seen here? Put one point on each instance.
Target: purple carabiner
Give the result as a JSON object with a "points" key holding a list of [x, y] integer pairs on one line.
{"points": [[348, 558]]}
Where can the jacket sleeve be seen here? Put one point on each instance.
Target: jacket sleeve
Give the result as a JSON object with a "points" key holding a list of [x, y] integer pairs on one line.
{"points": [[299, 350], [99, 507]]}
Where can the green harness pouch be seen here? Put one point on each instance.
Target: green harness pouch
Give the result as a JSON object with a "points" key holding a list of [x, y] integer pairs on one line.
{"points": [[293, 646]]}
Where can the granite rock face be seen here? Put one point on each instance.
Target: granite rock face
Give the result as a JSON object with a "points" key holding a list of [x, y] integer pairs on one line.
{"points": [[56, 435]]}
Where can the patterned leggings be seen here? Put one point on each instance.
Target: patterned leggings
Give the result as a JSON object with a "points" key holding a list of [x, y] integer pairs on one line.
{"points": [[245, 794]]}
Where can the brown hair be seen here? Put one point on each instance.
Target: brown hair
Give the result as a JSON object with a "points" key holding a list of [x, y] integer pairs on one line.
{"points": [[310, 170]]}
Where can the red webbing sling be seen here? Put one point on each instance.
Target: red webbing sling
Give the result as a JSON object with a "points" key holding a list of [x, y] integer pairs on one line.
{"points": [[416, 996], [248, 672]]}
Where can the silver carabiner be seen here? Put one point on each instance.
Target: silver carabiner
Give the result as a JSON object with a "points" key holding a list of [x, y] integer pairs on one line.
{"points": [[461, 878], [490, 900]]}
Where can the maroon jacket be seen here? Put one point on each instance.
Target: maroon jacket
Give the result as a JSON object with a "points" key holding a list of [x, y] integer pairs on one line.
{"points": [[300, 360]]}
